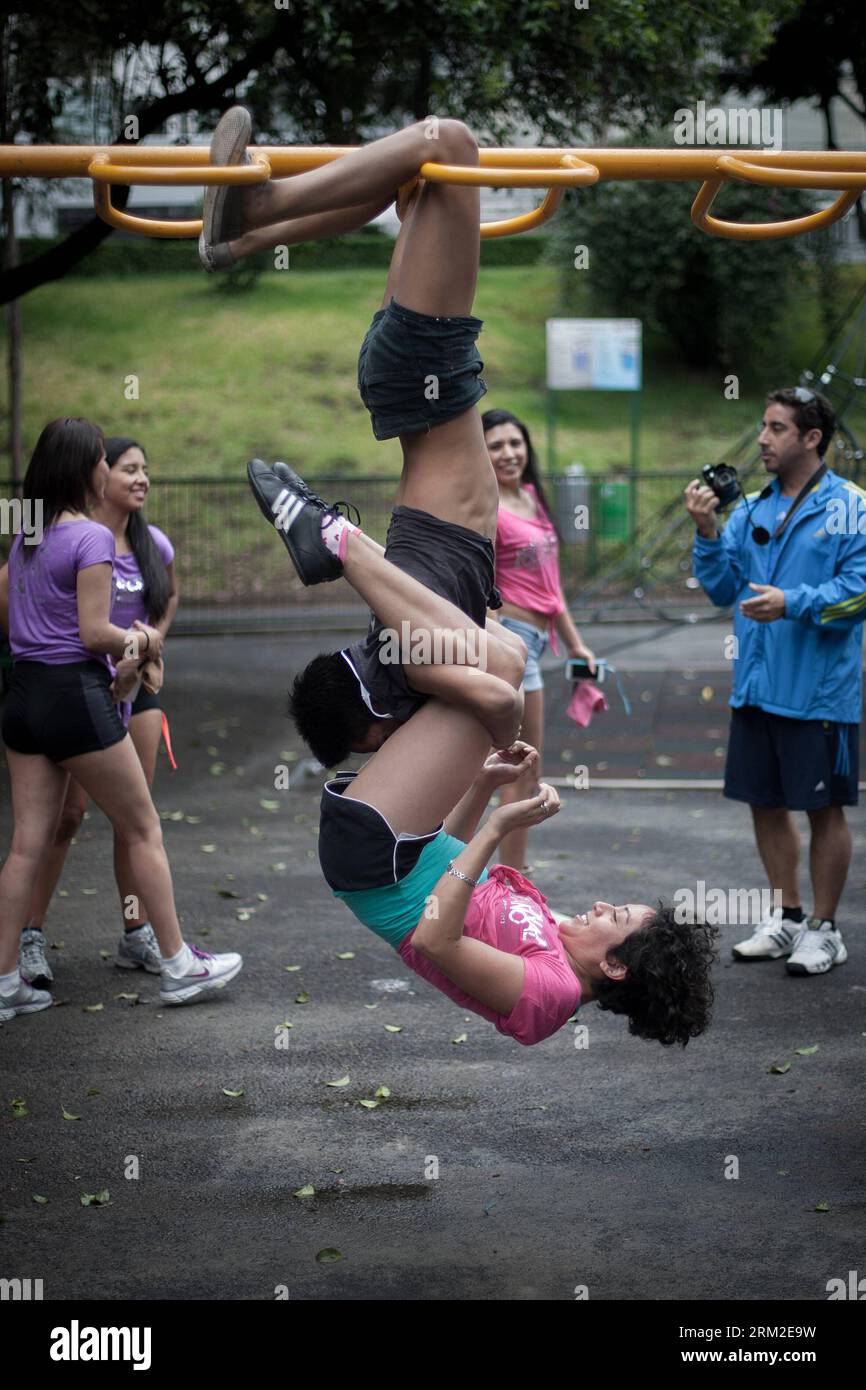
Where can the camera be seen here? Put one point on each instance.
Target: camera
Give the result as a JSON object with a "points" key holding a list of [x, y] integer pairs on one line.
{"points": [[722, 478]]}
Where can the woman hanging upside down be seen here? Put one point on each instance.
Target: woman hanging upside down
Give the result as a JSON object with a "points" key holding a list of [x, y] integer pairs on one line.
{"points": [[398, 841]]}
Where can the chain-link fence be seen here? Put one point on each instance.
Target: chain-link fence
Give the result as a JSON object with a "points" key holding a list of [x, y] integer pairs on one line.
{"points": [[234, 575]]}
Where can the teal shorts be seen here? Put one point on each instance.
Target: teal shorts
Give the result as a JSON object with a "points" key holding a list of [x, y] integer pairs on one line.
{"points": [[396, 909]]}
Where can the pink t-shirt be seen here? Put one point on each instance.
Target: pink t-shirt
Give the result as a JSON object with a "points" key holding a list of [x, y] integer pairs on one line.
{"points": [[527, 561], [508, 912]]}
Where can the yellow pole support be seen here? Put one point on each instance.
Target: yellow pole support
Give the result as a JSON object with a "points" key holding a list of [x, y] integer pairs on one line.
{"points": [[553, 169]]}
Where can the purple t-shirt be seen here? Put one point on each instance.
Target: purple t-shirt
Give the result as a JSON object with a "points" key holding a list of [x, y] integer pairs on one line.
{"points": [[127, 602], [43, 596]]}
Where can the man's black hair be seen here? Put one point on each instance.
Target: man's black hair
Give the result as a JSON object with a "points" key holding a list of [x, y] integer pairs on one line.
{"points": [[326, 705], [667, 994], [812, 411]]}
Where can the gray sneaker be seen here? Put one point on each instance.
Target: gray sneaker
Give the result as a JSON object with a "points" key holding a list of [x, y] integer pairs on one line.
{"points": [[206, 974], [221, 212], [138, 950], [31, 958], [24, 1000]]}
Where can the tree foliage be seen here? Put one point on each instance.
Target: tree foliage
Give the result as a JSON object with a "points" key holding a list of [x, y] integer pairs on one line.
{"points": [[345, 70]]}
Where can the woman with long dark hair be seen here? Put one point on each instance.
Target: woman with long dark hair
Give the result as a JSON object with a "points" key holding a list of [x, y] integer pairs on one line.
{"points": [[60, 717], [527, 576], [143, 589]]}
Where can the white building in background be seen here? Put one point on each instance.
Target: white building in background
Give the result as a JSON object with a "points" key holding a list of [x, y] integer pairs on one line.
{"points": [[69, 203]]}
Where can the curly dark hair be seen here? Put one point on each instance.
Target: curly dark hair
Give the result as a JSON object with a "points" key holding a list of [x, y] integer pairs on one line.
{"points": [[327, 708], [667, 993]]}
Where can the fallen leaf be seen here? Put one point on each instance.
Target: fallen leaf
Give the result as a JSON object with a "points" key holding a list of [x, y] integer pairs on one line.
{"points": [[270, 805], [90, 892], [262, 897], [382, 1092], [92, 1008], [707, 694], [105, 955], [227, 892], [67, 1116], [132, 998], [208, 849], [306, 1191], [369, 1104], [375, 1006], [393, 1028], [93, 1091], [43, 1201], [823, 1206], [779, 1068], [278, 868], [244, 916], [291, 967], [338, 1170], [193, 820], [328, 1256], [461, 1037], [343, 1081], [345, 955], [302, 998], [217, 769], [95, 1199], [807, 1051], [234, 1094]]}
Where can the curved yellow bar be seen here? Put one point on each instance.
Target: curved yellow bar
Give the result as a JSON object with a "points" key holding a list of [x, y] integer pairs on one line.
{"points": [[539, 167], [745, 172], [101, 170]]}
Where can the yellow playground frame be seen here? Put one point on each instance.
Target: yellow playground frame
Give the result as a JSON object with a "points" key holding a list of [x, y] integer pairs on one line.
{"points": [[553, 169]]}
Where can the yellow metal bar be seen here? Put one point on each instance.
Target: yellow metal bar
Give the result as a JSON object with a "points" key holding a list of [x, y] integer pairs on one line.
{"points": [[541, 167]]}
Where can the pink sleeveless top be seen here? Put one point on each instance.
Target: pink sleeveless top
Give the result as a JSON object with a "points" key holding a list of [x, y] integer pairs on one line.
{"points": [[527, 562]]}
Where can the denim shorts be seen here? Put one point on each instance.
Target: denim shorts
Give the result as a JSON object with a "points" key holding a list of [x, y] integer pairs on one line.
{"points": [[536, 643], [418, 370]]}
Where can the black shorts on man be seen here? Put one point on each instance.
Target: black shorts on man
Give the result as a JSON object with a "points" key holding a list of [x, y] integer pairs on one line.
{"points": [[452, 561]]}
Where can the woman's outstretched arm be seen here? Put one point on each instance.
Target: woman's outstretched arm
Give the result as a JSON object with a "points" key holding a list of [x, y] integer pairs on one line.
{"points": [[502, 766], [491, 976]]}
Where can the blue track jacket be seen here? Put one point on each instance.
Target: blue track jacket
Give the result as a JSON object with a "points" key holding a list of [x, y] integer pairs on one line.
{"points": [[807, 664]]}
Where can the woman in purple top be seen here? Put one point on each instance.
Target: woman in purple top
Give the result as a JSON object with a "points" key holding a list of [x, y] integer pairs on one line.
{"points": [[60, 717], [143, 590]]}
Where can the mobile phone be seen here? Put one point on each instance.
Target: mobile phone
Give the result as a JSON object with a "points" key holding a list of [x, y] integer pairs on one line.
{"points": [[576, 669]]}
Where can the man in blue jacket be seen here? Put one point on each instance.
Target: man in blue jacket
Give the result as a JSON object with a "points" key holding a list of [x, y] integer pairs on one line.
{"points": [[792, 563]]}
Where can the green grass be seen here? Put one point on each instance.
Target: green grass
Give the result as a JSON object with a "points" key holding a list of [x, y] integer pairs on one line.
{"points": [[272, 372]]}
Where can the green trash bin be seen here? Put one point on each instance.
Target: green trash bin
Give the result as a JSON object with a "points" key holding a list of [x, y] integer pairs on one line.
{"points": [[614, 511]]}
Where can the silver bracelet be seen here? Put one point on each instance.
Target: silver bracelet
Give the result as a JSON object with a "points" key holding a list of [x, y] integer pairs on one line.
{"points": [[457, 874]]}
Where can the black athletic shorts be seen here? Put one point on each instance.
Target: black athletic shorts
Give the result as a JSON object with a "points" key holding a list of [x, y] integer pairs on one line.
{"points": [[145, 700], [357, 847], [418, 370], [802, 764], [60, 711], [455, 563]]}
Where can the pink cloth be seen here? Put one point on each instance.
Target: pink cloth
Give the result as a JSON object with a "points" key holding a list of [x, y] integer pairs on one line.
{"points": [[527, 563], [508, 912], [586, 701]]}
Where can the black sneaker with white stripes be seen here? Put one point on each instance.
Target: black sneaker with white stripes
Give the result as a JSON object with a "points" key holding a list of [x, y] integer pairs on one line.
{"points": [[297, 515]]}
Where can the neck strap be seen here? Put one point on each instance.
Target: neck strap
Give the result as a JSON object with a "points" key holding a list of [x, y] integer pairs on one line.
{"points": [[804, 490]]}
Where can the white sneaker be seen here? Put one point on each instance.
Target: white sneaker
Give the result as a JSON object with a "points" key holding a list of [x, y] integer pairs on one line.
{"points": [[138, 950], [773, 937], [206, 974], [32, 961], [24, 1000], [818, 950]]}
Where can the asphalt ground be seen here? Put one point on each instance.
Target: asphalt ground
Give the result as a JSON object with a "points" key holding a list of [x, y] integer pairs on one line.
{"points": [[491, 1171]]}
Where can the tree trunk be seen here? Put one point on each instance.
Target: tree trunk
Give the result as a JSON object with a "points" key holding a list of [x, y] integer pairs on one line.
{"points": [[13, 328]]}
